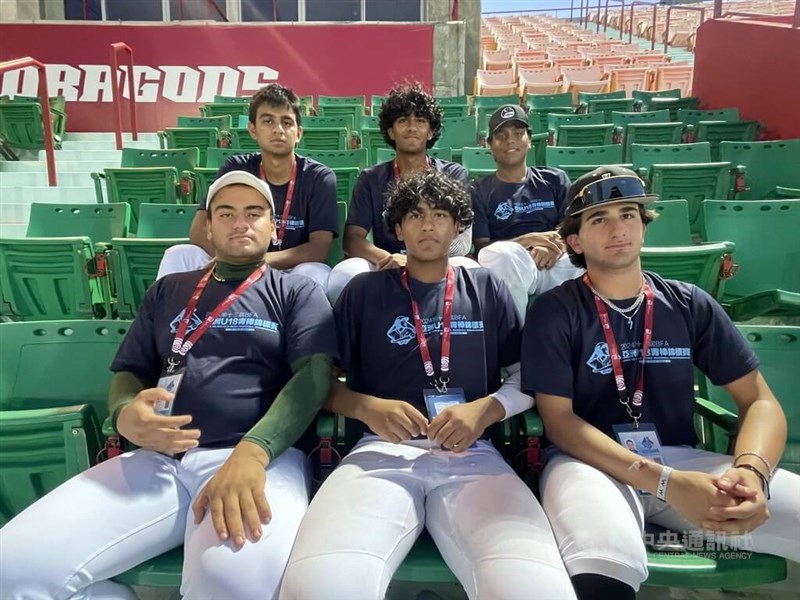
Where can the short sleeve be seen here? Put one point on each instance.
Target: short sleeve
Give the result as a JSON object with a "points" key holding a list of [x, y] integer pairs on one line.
{"points": [[480, 227], [322, 212], [347, 312], [546, 349], [360, 210], [509, 326], [310, 328], [458, 172], [713, 332], [138, 353]]}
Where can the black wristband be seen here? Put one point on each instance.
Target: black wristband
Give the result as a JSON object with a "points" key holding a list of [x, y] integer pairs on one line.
{"points": [[761, 476]]}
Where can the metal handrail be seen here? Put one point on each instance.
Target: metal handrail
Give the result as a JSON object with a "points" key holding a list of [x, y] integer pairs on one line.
{"points": [[116, 96], [655, 16], [699, 9], [44, 98], [621, 17]]}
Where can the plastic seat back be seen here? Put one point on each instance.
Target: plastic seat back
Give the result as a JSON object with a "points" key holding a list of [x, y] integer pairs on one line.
{"points": [[715, 132], [584, 135], [671, 228], [607, 154], [645, 155], [240, 138], [137, 186], [219, 109], [323, 138], [339, 158], [650, 133], [181, 159], [692, 117], [769, 165], [165, 220], [100, 222], [215, 157], [699, 265], [222, 122], [201, 138], [693, 182], [336, 252]]}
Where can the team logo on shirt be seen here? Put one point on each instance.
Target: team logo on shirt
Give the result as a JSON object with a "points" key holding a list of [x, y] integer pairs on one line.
{"points": [[503, 211], [194, 322], [401, 332], [228, 321], [660, 352]]}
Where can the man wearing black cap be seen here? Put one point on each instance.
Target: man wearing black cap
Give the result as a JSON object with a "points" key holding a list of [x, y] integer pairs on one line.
{"points": [[610, 357], [219, 375], [517, 210]]}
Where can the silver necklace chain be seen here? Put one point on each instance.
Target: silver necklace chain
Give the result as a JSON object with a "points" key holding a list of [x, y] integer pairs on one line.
{"points": [[629, 312]]}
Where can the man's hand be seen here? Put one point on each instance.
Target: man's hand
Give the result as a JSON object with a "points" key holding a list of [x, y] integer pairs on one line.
{"points": [[750, 512], [393, 420], [543, 257], [393, 261], [138, 423], [457, 427], [693, 494], [235, 495]]}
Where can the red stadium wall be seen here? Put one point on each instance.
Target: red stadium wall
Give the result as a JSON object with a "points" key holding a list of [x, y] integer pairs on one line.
{"points": [[180, 67], [754, 65]]}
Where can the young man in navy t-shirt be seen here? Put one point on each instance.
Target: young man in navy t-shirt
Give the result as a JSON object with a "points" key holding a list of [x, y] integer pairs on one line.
{"points": [[411, 122], [220, 373], [305, 231], [423, 347], [517, 209], [583, 356]]}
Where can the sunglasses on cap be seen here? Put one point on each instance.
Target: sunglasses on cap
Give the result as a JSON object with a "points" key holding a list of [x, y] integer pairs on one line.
{"points": [[611, 189]]}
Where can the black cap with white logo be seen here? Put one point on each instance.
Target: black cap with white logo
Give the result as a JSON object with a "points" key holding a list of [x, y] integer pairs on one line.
{"points": [[506, 114]]}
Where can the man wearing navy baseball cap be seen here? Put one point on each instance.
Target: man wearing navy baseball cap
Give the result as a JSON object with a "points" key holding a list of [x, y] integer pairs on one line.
{"points": [[219, 375], [517, 209], [611, 357]]}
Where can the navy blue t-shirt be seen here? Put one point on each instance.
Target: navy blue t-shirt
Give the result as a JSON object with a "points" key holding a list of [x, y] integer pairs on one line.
{"points": [[313, 201], [369, 200], [504, 211], [244, 359], [564, 353], [378, 343]]}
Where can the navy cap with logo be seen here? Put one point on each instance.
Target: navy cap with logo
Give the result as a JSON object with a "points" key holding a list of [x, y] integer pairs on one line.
{"points": [[506, 114], [606, 185]]}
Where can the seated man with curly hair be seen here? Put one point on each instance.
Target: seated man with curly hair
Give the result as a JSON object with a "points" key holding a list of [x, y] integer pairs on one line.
{"points": [[423, 347], [411, 122]]}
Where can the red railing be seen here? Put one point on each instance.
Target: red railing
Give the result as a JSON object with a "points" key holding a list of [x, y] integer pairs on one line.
{"points": [[44, 98], [669, 12], [655, 15], [621, 17], [116, 96]]}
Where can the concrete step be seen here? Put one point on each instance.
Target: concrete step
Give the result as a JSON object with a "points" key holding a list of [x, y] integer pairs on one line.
{"points": [[16, 179], [15, 212], [88, 136], [68, 194], [62, 166], [84, 145], [13, 230], [88, 155]]}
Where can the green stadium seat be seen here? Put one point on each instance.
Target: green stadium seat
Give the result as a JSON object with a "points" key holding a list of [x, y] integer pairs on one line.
{"points": [[560, 156], [715, 132], [232, 100], [493, 102], [769, 166], [223, 122], [134, 266], [21, 124], [458, 132], [672, 104], [345, 121], [243, 121], [453, 106], [706, 266], [331, 106], [608, 106], [339, 158], [52, 278], [73, 356], [768, 253], [181, 159], [671, 228], [385, 154], [241, 138], [584, 135], [216, 156], [324, 138], [191, 137], [585, 97], [99, 222], [165, 220], [644, 96], [375, 103], [373, 140], [307, 106], [545, 102], [218, 109], [42, 448], [620, 119], [345, 182], [336, 252], [693, 117], [197, 183], [479, 161], [650, 133], [555, 120]]}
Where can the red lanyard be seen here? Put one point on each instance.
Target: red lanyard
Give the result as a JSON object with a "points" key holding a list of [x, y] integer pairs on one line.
{"points": [[179, 346], [441, 384], [613, 351], [397, 169], [287, 205]]}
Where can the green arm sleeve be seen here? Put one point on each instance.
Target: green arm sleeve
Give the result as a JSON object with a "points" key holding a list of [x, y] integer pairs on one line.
{"points": [[124, 388], [295, 407]]}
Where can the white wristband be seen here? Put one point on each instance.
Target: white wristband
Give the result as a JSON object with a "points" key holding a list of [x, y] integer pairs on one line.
{"points": [[514, 401], [663, 479]]}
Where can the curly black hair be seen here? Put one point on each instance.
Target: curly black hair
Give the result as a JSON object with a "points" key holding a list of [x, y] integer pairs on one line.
{"points": [[275, 95], [572, 225], [433, 187], [410, 100]]}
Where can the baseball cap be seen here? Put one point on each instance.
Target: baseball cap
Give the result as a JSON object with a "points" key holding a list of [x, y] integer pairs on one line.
{"points": [[606, 185], [505, 114], [241, 178]]}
